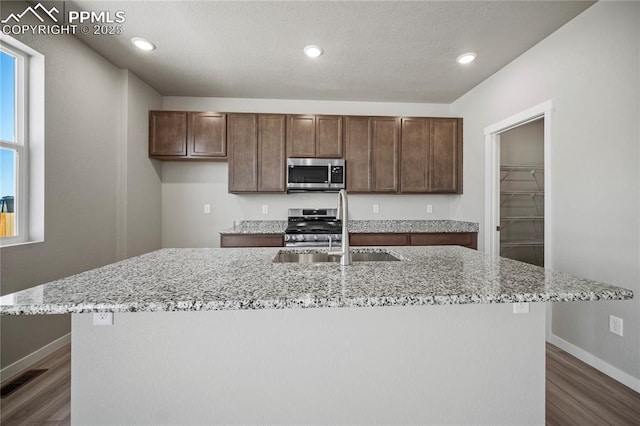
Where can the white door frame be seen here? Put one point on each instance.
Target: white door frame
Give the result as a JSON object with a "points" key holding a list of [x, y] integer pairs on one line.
{"points": [[492, 176]]}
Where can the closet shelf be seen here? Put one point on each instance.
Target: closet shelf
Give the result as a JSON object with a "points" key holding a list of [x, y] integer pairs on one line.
{"points": [[521, 218], [520, 168], [521, 243], [522, 192]]}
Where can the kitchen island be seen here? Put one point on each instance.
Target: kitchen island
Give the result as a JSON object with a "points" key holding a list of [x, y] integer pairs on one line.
{"points": [[217, 336]]}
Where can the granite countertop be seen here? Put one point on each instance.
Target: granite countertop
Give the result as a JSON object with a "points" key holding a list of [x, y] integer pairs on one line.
{"points": [[360, 226], [247, 278]]}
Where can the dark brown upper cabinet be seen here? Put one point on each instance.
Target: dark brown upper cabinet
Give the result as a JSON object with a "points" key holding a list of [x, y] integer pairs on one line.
{"points": [[314, 136], [256, 152], [271, 153], [445, 151], [371, 153], [385, 140], [357, 154], [431, 153], [181, 135]]}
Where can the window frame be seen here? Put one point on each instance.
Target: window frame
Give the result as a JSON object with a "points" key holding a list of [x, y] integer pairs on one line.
{"points": [[20, 145], [30, 185]]}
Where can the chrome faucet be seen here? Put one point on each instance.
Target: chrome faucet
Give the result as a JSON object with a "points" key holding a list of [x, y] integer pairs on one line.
{"points": [[343, 213]]}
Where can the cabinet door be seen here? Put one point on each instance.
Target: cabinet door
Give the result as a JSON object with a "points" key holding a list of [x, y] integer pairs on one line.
{"points": [[414, 145], [329, 136], [464, 239], [207, 135], [252, 240], [167, 133], [384, 142], [271, 153], [242, 138], [301, 136], [378, 239], [358, 154], [445, 155]]}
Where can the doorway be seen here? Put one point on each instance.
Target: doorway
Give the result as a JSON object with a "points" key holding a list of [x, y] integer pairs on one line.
{"points": [[522, 193], [521, 229]]}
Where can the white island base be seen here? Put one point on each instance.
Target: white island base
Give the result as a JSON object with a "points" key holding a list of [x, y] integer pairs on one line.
{"points": [[438, 364]]}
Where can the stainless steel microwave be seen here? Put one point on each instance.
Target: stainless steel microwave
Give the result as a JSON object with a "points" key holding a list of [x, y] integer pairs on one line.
{"points": [[315, 174]]}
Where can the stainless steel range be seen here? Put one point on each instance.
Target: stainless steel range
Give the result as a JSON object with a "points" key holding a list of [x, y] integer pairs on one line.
{"points": [[313, 228]]}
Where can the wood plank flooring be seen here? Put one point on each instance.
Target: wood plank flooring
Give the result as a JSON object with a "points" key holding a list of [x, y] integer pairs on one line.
{"points": [[45, 400], [577, 394]]}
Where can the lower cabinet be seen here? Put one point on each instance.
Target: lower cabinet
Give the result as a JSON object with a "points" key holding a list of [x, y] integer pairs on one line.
{"points": [[252, 240], [465, 239], [378, 240]]}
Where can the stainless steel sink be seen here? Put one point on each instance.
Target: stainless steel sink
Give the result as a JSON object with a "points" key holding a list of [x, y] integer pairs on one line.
{"points": [[287, 256]]}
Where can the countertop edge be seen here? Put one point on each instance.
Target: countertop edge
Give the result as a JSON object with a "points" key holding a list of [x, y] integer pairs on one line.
{"points": [[364, 302]]}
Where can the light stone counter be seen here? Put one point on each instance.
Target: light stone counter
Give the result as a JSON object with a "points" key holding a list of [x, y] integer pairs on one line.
{"points": [[360, 226], [233, 279]]}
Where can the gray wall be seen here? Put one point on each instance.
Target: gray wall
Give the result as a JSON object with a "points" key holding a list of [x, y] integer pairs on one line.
{"points": [[456, 364], [85, 96], [142, 179], [589, 68], [187, 187]]}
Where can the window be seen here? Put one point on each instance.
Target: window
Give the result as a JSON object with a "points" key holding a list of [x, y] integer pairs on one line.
{"points": [[21, 130], [12, 145]]}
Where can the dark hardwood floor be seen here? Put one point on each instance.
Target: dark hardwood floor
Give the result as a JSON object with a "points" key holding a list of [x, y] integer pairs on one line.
{"points": [[577, 394]]}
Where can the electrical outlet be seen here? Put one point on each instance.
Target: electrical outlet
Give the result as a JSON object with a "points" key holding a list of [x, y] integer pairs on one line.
{"points": [[429, 208], [521, 308], [615, 325], [207, 208], [103, 318], [265, 209], [376, 208]]}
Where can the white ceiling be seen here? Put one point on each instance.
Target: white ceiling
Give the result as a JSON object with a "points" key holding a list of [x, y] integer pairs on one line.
{"points": [[374, 50]]}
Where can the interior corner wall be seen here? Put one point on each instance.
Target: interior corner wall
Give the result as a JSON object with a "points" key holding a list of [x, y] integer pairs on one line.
{"points": [[589, 68], [186, 187], [82, 100], [143, 175]]}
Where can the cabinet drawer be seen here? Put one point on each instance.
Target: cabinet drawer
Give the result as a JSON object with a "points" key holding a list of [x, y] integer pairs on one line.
{"points": [[440, 239], [378, 239], [252, 240]]}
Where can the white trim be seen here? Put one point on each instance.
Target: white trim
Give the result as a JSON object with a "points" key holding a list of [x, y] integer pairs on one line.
{"points": [[492, 189], [29, 202], [492, 183], [523, 117], [22, 364], [20, 144], [492, 175], [588, 358]]}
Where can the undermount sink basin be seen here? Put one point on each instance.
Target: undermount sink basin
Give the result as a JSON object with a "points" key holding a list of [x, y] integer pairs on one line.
{"points": [[296, 257]]}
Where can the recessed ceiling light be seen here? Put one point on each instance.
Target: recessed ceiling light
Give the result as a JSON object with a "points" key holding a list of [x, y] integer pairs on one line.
{"points": [[313, 51], [143, 44], [466, 58]]}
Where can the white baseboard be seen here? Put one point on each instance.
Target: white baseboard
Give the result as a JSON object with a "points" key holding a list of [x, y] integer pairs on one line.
{"points": [[586, 357], [26, 362]]}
